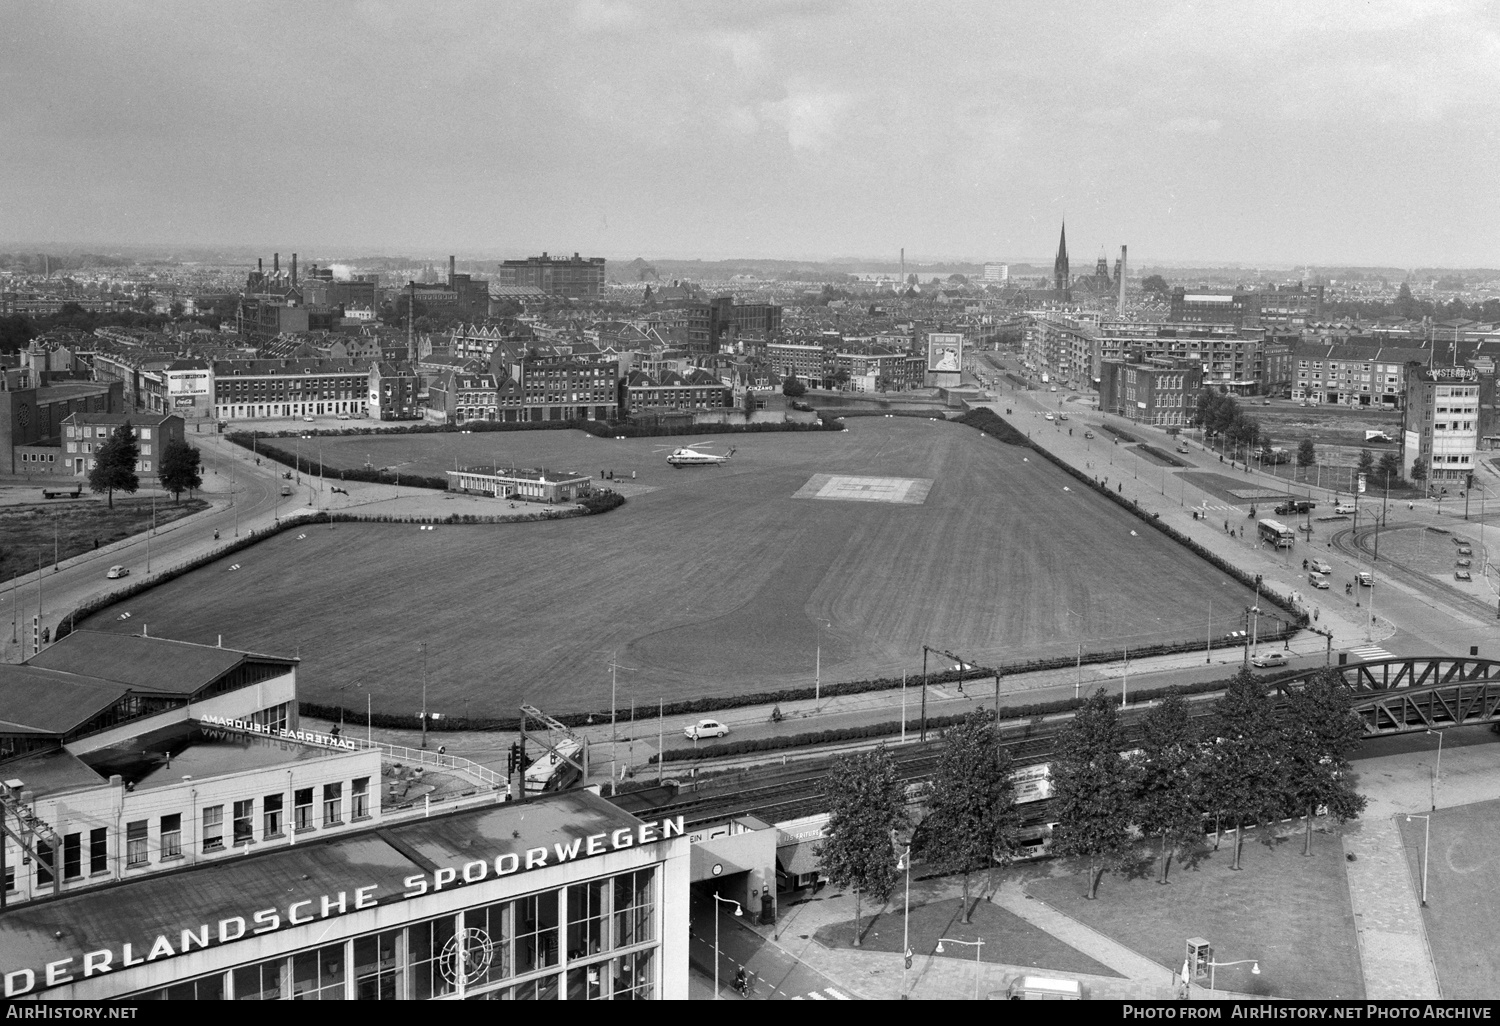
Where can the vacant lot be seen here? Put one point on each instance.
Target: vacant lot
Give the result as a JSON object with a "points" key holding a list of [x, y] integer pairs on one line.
{"points": [[67, 527], [1461, 882], [717, 581]]}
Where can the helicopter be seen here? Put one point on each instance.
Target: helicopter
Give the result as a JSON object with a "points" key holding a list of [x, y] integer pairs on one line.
{"points": [[689, 456]]}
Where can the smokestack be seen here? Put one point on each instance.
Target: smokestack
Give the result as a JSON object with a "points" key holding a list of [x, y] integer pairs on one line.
{"points": [[1121, 310], [294, 268], [451, 269], [275, 263], [903, 265], [260, 266]]}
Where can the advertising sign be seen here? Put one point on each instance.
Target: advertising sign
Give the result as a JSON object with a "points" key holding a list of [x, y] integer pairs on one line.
{"points": [[1361, 484], [945, 352]]}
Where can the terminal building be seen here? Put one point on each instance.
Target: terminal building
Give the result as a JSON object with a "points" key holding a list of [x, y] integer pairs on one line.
{"points": [[171, 831]]}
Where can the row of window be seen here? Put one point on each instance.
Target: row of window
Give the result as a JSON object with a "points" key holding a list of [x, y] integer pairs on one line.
{"points": [[38, 457], [596, 939], [100, 431]]}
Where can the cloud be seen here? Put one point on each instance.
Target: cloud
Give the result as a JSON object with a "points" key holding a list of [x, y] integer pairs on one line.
{"points": [[603, 16], [812, 118]]}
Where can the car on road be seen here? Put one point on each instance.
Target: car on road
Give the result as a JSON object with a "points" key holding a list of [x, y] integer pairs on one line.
{"points": [[1182, 447], [118, 571], [1465, 550], [705, 728], [1291, 507], [308, 419], [1317, 580], [1049, 415], [1344, 507], [1317, 566], [1462, 575], [1088, 434], [1062, 416], [1263, 659], [343, 416], [1366, 579]]}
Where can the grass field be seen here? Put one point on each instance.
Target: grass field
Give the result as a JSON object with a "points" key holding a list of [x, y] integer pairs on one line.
{"points": [[1289, 912], [1461, 886], [67, 527], [715, 582]]}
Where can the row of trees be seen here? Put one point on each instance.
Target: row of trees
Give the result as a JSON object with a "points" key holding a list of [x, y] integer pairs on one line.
{"points": [[1254, 760], [115, 461]]}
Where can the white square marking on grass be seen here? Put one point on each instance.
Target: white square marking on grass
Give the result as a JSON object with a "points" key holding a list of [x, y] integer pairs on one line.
{"points": [[908, 490]]}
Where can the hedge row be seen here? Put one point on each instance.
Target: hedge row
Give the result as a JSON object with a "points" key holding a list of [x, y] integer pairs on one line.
{"points": [[1033, 711], [629, 429], [985, 420], [939, 412], [310, 465]]}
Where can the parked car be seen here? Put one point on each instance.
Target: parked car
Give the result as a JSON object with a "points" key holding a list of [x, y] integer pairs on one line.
{"points": [[1464, 562], [1088, 434], [308, 419], [1462, 575], [1264, 659], [1465, 550], [1048, 415], [118, 571], [1062, 416], [705, 728], [1318, 566], [1182, 447], [1317, 580], [343, 416]]}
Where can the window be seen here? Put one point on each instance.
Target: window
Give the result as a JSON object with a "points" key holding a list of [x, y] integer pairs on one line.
{"points": [[98, 851], [377, 975], [302, 800], [633, 907], [587, 922], [424, 948], [494, 920], [135, 843], [244, 826], [171, 836], [270, 807], [333, 803], [43, 863], [213, 828], [359, 798], [260, 982], [536, 932], [319, 975]]}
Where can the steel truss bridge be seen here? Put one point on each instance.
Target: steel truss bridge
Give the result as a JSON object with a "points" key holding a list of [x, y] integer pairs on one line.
{"points": [[1417, 693]]}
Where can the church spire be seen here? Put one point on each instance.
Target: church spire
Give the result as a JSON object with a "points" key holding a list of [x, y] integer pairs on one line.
{"points": [[1060, 265]]}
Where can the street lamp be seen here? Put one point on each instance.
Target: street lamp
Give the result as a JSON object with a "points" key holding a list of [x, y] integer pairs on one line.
{"points": [[339, 690], [977, 945], [1438, 772], [423, 646], [818, 661], [1426, 839], [1254, 969], [904, 863], [738, 911]]}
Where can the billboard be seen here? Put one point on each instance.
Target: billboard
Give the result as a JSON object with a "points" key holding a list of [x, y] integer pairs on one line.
{"points": [[945, 352]]}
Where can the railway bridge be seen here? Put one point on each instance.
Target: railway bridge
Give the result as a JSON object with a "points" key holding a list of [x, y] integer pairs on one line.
{"points": [[1417, 693]]}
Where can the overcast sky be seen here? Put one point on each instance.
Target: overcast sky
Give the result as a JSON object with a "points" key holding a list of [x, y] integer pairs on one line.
{"points": [[1334, 133]]}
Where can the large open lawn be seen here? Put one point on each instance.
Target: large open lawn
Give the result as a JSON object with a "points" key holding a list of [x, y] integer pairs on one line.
{"points": [[1461, 883], [719, 581]]}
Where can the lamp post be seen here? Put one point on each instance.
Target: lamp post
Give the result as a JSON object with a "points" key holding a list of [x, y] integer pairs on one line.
{"points": [[1438, 772], [339, 691], [1426, 842], [738, 911], [904, 863], [423, 646], [1254, 968], [614, 736], [977, 945], [818, 661]]}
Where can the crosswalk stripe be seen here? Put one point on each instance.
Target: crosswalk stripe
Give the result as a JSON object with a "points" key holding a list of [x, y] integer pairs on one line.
{"points": [[817, 997], [1372, 652], [838, 994]]}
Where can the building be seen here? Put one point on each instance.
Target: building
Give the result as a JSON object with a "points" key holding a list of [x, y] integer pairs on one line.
{"points": [[1070, 350], [190, 388], [640, 394], [997, 273], [171, 831], [1442, 424], [560, 388], [575, 278], [291, 388], [717, 324], [1351, 374], [85, 433], [393, 391], [1157, 391], [1288, 307], [463, 395], [807, 363], [536, 485], [31, 419], [1060, 280]]}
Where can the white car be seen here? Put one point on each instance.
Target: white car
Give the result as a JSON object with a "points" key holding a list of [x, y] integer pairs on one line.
{"points": [[1047, 417], [1317, 580], [1264, 659], [1344, 507], [1317, 566], [705, 728], [118, 571]]}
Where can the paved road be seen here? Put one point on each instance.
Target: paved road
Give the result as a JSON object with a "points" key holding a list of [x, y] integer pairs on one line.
{"points": [[776, 974]]}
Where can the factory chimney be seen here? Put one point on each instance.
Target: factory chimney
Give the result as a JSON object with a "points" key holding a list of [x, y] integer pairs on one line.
{"points": [[1121, 309], [275, 264], [451, 268], [260, 265], [294, 268], [903, 265]]}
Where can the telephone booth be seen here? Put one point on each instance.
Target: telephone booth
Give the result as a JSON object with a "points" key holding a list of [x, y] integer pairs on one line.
{"points": [[1198, 957]]}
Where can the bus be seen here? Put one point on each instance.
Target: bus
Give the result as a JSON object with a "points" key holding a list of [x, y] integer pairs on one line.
{"points": [[549, 773], [1277, 533]]}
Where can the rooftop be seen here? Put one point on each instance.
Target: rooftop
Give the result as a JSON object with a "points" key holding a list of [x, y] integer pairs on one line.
{"points": [[144, 663]]}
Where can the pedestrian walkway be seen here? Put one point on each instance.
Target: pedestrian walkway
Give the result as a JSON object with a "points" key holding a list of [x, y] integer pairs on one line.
{"points": [[1369, 653], [826, 994]]}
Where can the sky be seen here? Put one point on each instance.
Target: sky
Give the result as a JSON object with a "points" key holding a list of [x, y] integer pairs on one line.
{"points": [[1334, 133]]}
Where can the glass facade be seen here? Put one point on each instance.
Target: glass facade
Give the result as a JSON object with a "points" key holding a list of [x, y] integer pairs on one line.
{"points": [[594, 941]]}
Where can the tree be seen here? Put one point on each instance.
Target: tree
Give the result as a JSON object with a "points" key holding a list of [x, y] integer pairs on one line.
{"points": [[1419, 469], [1307, 455], [1155, 284], [793, 388], [1321, 733], [1389, 467], [180, 465], [868, 801], [1406, 306], [1366, 462], [114, 464], [972, 805], [1092, 791], [1168, 805], [176, 308], [1243, 777]]}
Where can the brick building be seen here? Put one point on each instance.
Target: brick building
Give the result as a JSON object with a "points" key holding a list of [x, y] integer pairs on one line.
{"points": [[84, 433], [575, 278], [291, 388], [1160, 392]]}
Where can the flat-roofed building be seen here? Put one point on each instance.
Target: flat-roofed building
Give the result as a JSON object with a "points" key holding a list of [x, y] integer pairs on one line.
{"points": [[290, 388], [1442, 424], [84, 434], [576, 277], [535, 485]]}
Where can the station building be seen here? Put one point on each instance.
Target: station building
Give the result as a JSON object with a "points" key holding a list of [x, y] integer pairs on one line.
{"points": [[537, 485], [170, 831]]}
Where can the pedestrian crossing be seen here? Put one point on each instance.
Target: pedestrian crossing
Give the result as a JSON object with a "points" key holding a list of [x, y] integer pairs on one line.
{"points": [[1370, 653], [823, 995]]}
